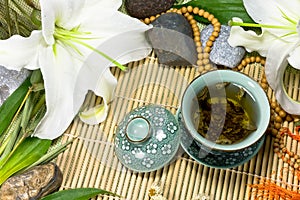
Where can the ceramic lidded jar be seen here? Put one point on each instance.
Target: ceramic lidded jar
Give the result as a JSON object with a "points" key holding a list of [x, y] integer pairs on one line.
{"points": [[147, 138]]}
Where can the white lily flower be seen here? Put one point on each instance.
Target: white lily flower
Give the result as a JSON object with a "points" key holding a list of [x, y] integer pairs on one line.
{"points": [[78, 42], [279, 41]]}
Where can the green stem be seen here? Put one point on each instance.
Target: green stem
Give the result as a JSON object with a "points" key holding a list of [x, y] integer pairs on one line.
{"points": [[39, 105], [51, 154], [12, 137], [8, 17], [23, 11]]}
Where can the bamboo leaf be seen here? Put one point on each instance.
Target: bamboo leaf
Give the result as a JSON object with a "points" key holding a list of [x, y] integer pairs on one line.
{"points": [[223, 10], [77, 194], [29, 151], [12, 104]]}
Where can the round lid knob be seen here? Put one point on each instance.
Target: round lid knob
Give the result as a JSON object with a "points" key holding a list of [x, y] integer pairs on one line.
{"points": [[138, 129]]}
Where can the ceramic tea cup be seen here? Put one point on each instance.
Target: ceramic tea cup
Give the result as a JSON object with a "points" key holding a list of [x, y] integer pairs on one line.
{"points": [[246, 91]]}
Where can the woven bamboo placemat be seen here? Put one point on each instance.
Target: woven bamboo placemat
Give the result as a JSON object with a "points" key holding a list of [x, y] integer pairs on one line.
{"points": [[90, 160]]}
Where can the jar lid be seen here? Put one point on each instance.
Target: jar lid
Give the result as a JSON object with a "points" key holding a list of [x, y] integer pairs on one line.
{"points": [[147, 138]]}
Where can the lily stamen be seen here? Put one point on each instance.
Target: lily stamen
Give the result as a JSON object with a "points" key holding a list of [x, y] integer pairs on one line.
{"points": [[243, 24], [69, 36]]}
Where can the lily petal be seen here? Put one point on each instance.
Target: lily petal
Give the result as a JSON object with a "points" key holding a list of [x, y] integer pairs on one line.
{"points": [[94, 115], [18, 52], [294, 58], [276, 61], [286, 102], [271, 12], [276, 64], [60, 72], [59, 13], [106, 25], [262, 12], [104, 87], [250, 40]]}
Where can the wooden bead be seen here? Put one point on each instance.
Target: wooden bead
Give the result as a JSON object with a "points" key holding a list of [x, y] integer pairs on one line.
{"points": [[197, 38], [152, 18], [201, 12], [273, 104], [206, 55], [278, 119], [214, 21], [212, 38], [147, 21], [196, 33], [199, 62], [196, 10], [193, 21], [205, 61], [282, 113], [289, 118], [257, 59], [215, 34], [277, 109], [274, 131], [207, 67], [210, 17], [277, 126], [200, 56], [184, 10], [209, 43], [207, 49], [199, 50], [190, 17], [247, 60], [206, 14], [198, 44], [190, 9]]}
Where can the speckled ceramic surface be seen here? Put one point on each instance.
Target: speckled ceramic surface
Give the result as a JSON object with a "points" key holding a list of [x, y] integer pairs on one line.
{"points": [[147, 138], [213, 158]]}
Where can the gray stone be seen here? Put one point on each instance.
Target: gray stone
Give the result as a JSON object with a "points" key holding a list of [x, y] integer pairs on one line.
{"points": [[172, 40], [10, 80], [222, 53], [142, 9]]}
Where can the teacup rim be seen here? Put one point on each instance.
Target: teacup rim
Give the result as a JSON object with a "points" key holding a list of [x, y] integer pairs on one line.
{"points": [[227, 77]]}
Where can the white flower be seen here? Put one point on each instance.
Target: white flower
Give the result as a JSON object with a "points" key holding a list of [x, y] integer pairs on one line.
{"points": [[279, 41], [74, 49]]}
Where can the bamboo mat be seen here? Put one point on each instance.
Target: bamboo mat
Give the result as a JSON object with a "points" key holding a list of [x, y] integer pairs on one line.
{"points": [[90, 160]]}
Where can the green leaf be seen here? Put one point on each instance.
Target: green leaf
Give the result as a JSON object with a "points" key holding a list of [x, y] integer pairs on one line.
{"points": [[12, 104], [223, 10], [29, 151], [77, 194]]}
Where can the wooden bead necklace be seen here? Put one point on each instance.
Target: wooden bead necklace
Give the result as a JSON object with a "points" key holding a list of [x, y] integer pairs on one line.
{"points": [[278, 116], [203, 62]]}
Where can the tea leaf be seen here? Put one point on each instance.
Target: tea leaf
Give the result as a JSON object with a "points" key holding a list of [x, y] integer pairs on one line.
{"points": [[223, 10], [29, 151], [77, 194], [12, 104]]}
